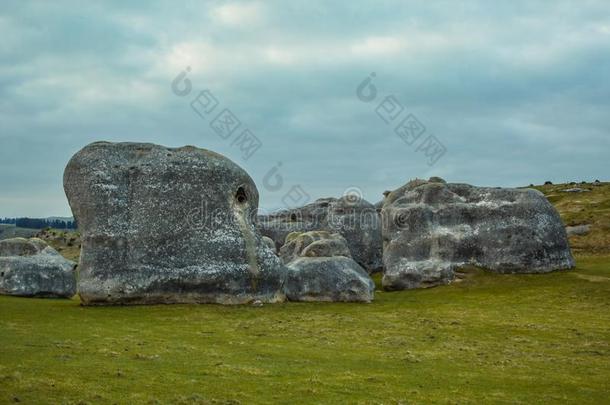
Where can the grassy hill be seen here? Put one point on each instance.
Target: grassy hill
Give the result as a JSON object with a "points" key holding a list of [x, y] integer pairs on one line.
{"points": [[487, 339], [66, 242], [591, 207]]}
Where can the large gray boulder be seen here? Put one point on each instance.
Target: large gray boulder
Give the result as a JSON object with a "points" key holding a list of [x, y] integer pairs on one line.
{"points": [[430, 228], [353, 218], [168, 225], [320, 268], [31, 268]]}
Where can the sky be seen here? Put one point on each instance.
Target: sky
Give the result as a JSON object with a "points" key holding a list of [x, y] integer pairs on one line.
{"points": [[487, 93]]}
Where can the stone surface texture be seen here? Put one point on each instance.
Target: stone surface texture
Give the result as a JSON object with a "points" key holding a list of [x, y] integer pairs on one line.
{"points": [[31, 268], [355, 219], [320, 268], [168, 225], [430, 228]]}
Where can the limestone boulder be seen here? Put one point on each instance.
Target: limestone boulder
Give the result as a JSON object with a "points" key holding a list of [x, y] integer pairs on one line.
{"points": [[314, 244], [430, 228], [356, 220], [168, 225], [31, 268], [578, 230], [320, 268]]}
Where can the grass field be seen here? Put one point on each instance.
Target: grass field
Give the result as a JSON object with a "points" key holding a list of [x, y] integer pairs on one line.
{"points": [[490, 338], [487, 339]]}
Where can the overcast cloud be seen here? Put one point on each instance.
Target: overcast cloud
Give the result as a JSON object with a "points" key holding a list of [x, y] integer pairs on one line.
{"points": [[518, 92]]}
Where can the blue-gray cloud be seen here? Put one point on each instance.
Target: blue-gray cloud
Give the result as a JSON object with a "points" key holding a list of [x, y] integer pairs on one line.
{"points": [[516, 91]]}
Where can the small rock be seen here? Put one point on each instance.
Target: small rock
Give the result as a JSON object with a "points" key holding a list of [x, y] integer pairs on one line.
{"points": [[578, 230], [328, 279], [31, 268], [320, 268], [575, 190]]}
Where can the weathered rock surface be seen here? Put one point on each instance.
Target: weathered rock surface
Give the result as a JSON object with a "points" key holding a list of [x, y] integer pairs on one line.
{"points": [[31, 268], [320, 268], [270, 244], [168, 225], [430, 228], [355, 219], [313, 244]]}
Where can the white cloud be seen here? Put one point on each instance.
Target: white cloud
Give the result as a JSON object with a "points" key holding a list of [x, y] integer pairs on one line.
{"points": [[377, 46], [238, 14], [289, 70], [279, 55]]}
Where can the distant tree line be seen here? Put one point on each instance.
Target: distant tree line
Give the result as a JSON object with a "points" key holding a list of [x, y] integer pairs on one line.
{"points": [[39, 223]]}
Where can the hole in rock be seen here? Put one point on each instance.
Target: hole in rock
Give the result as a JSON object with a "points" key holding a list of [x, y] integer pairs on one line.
{"points": [[240, 195]]}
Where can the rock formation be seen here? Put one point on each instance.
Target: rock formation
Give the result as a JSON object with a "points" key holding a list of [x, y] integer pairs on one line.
{"points": [[31, 268], [430, 228], [168, 225], [270, 244], [355, 219], [320, 268]]}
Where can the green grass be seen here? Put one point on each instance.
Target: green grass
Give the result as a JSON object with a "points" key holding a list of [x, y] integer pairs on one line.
{"points": [[490, 338]]}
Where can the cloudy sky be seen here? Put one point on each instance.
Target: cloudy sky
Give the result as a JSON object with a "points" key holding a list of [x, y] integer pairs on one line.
{"points": [[513, 92]]}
